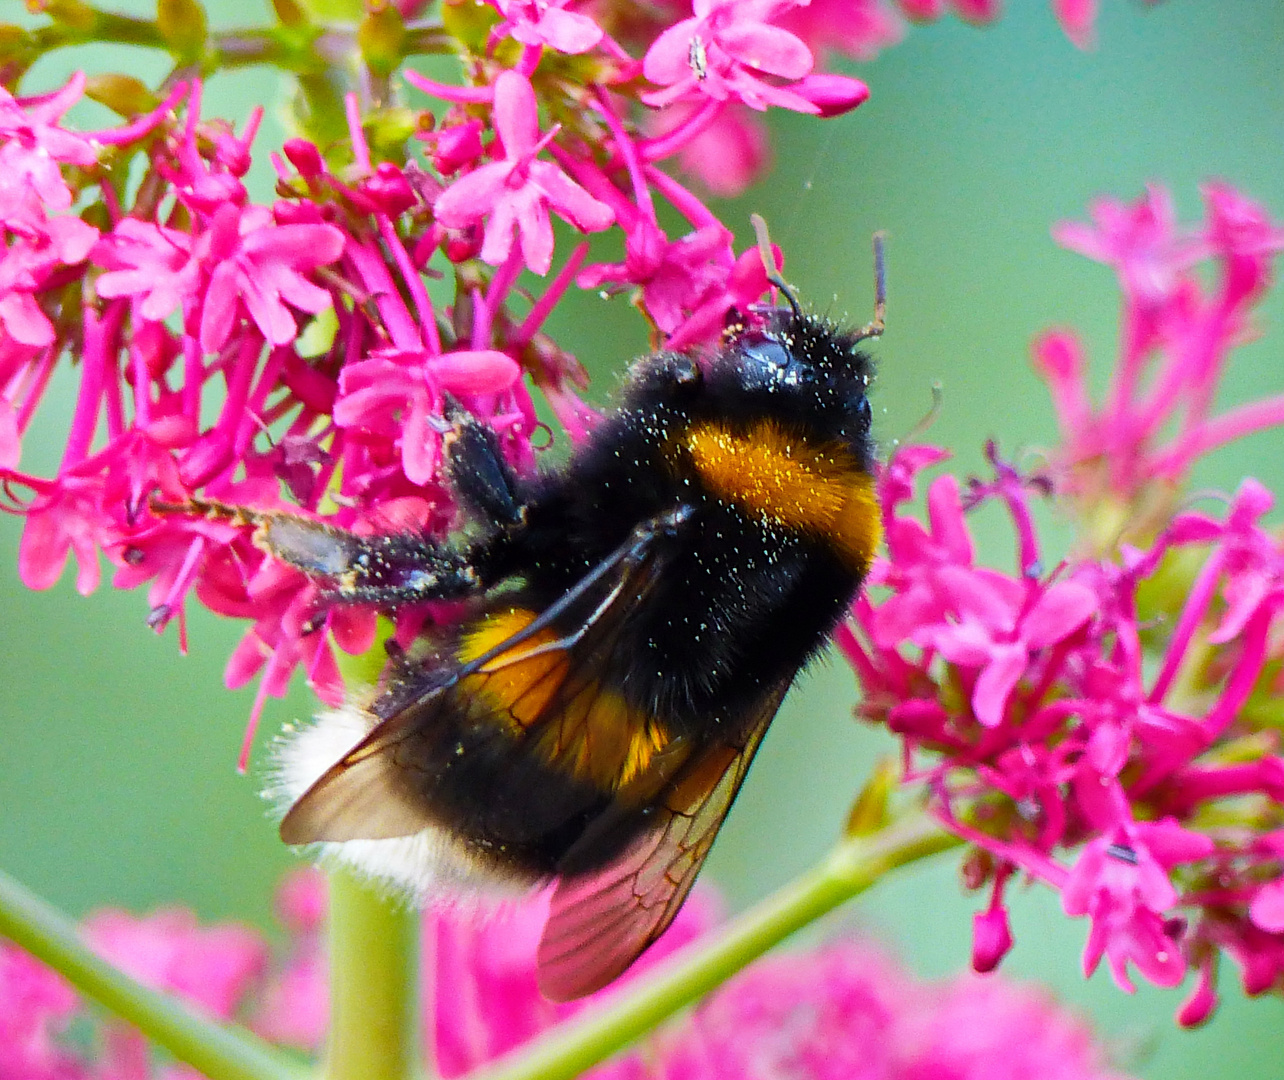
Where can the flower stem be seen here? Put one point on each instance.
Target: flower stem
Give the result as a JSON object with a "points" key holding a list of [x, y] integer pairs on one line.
{"points": [[850, 869], [374, 971], [219, 1051]]}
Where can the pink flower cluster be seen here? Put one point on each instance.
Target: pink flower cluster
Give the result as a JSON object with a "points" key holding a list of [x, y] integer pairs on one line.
{"points": [[1107, 723], [835, 1012], [292, 354]]}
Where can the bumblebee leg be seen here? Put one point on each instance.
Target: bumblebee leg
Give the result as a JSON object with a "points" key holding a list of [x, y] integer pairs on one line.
{"points": [[480, 476], [387, 570]]}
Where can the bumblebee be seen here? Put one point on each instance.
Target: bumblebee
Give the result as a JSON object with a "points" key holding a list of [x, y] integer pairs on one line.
{"points": [[631, 624]]}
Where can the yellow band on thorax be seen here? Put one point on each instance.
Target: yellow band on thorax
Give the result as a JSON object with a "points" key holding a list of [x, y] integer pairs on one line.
{"points": [[789, 482]]}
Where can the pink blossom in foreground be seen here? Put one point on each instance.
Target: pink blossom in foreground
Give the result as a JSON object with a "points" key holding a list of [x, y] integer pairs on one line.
{"points": [[1104, 724], [514, 195], [834, 1012], [724, 51], [548, 22], [263, 265]]}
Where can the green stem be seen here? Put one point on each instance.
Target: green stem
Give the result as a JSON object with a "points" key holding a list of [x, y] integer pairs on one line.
{"points": [[849, 870], [375, 1016], [220, 1051]]}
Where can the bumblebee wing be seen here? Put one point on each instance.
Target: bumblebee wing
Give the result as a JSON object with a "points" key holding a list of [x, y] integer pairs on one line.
{"points": [[603, 919], [543, 681], [358, 797]]}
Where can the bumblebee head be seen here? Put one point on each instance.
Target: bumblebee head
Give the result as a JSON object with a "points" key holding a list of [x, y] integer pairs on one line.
{"points": [[788, 365]]}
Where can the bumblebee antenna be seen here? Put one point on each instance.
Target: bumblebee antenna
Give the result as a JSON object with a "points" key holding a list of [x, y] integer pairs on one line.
{"points": [[874, 328], [769, 263]]}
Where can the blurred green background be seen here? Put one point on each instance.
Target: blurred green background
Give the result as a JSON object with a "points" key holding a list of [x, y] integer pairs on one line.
{"points": [[117, 761]]}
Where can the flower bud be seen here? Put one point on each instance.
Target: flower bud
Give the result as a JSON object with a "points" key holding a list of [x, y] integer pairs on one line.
{"points": [[833, 95], [382, 37], [388, 189], [1203, 999], [182, 24], [123, 94], [991, 938], [71, 13], [304, 156], [290, 13], [457, 146], [462, 244]]}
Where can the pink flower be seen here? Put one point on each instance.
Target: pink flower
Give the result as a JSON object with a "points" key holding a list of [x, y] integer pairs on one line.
{"points": [[726, 155], [399, 394], [918, 556], [675, 275], [263, 265], [32, 145], [986, 1029], [1121, 881], [546, 22], [67, 519], [1176, 342], [831, 1014], [514, 195], [724, 51], [1078, 19], [1080, 753], [1140, 241], [211, 967], [842, 1011], [998, 629], [856, 28], [149, 263], [36, 1006], [834, 1012], [26, 267]]}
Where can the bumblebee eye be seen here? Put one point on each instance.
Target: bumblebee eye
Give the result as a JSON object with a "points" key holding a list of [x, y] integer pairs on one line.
{"points": [[864, 414], [768, 354]]}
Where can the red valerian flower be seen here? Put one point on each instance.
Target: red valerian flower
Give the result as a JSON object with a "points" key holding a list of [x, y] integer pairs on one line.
{"points": [[262, 265], [1105, 724], [33, 145], [514, 195], [723, 51], [151, 264], [1121, 881], [27, 267], [547, 22]]}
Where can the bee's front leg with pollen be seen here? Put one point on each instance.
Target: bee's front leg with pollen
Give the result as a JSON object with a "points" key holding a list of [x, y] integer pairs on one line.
{"points": [[481, 478], [400, 568]]}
